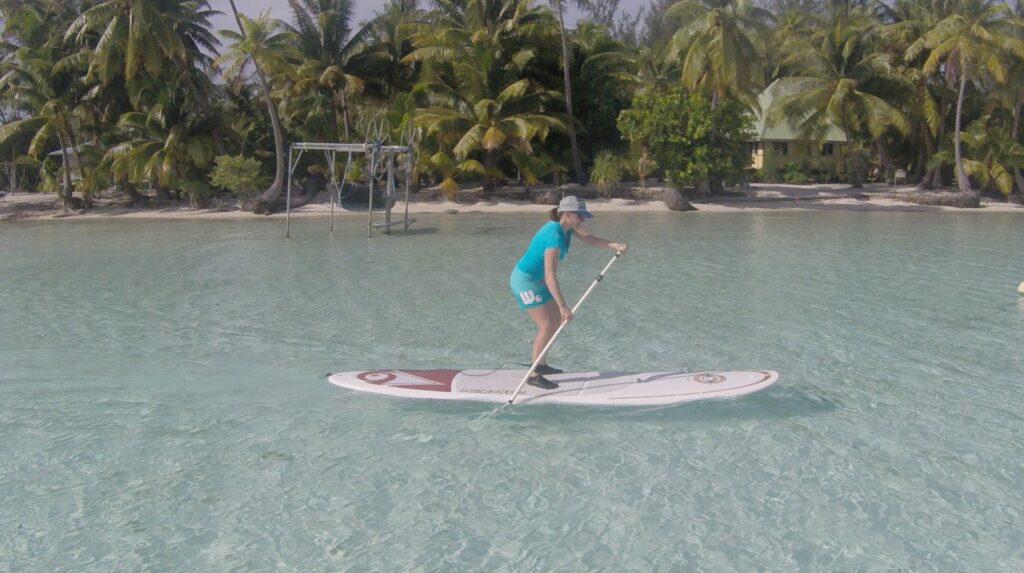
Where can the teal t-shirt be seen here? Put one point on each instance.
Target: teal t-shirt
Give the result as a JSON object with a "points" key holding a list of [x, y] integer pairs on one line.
{"points": [[550, 236]]}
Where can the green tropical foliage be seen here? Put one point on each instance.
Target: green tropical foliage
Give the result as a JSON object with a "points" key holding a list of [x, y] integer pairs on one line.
{"points": [[140, 96], [689, 138], [721, 46], [482, 108], [238, 174], [839, 76], [607, 172], [991, 157], [265, 45], [978, 37]]}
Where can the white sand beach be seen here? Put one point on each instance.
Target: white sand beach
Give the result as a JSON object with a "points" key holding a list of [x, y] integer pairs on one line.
{"points": [[760, 197]]}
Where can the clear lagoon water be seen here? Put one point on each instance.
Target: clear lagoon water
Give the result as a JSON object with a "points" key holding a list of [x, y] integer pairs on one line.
{"points": [[161, 406]]}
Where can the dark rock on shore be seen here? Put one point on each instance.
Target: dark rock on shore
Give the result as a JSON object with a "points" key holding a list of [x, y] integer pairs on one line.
{"points": [[675, 201]]}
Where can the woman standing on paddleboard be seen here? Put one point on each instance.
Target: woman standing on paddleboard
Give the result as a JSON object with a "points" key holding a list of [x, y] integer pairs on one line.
{"points": [[534, 279]]}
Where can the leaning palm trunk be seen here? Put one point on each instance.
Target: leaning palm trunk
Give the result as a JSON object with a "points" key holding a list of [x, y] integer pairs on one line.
{"points": [[961, 178], [272, 192], [577, 165]]}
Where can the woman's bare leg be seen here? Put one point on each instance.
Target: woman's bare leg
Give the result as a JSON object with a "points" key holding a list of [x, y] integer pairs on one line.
{"points": [[548, 319]]}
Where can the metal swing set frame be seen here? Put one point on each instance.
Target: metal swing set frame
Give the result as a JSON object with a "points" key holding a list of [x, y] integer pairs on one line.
{"points": [[381, 159]]}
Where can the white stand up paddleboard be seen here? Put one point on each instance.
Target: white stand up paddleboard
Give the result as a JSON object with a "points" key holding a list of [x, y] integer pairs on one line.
{"points": [[591, 388]]}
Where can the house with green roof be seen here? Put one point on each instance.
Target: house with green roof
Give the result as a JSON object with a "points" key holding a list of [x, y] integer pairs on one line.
{"points": [[781, 143]]}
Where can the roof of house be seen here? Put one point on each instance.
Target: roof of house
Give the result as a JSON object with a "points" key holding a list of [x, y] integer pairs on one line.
{"points": [[783, 131]]}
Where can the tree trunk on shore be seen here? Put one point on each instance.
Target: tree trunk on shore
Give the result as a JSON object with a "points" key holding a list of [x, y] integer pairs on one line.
{"points": [[961, 178], [128, 188], [14, 172], [86, 196], [344, 115], [933, 179], [490, 163], [66, 190], [577, 165], [218, 142], [883, 159], [1015, 136], [856, 177], [265, 201], [924, 176]]}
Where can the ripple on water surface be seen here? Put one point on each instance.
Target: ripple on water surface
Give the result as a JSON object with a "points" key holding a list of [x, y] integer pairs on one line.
{"points": [[161, 409]]}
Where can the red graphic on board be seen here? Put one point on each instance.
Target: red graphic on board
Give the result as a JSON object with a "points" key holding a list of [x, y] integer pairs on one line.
{"points": [[430, 380]]}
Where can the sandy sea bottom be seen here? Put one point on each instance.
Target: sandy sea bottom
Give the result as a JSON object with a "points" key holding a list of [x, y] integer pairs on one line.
{"points": [[161, 406]]}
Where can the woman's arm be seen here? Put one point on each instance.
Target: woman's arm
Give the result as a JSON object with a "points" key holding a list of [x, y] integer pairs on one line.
{"points": [[595, 241], [551, 280]]}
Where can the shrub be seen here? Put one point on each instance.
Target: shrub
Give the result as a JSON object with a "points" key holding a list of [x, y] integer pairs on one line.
{"points": [[606, 173], [198, 191], [687, 137], [794, 174], [771, 169], [239, 175]]}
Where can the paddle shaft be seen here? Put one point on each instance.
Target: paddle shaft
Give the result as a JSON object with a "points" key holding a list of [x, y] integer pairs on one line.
{"points": [[561, 327]]}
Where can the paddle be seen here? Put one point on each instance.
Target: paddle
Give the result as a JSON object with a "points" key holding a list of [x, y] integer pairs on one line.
{"points": [[544, 352]]}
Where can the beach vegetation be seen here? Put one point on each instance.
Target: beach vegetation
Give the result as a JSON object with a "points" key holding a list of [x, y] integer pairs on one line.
{"points": [[138, 96], [239, 175], [607, 172], [989, 157], [693, 140]]}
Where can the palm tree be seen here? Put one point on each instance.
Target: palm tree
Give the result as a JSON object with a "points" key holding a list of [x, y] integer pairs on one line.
{"points": [[168, 150], [335, 58], [136, 43], [477, 53], [841, 78], [50, 99], [265, 45], [1004, 105], [991, 156], [42, 79], [557, 7], [1015, 85], [970, 41], [145, 53], [931, 101], [721, 46], [605, 71], [391, 36]]}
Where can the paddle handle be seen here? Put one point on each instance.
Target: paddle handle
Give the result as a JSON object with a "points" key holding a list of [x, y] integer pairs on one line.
{"points": [[561, 327]]}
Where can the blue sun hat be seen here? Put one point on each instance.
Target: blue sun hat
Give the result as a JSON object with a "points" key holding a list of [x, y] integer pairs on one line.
{"points": [[571, 204]]}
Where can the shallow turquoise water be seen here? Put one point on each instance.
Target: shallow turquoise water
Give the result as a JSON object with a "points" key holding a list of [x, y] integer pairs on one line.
{"points": [[161, 407]]}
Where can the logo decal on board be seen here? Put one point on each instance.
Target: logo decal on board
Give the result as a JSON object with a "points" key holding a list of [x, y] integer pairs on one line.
{"points": [[381, 377], [709, 378]]}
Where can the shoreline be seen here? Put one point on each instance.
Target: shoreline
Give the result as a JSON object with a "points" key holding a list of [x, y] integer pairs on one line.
{"points": [[761, 198]]}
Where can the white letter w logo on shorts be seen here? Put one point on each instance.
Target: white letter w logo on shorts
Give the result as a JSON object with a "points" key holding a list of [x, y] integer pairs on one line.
{"points": [[530, 298]]}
